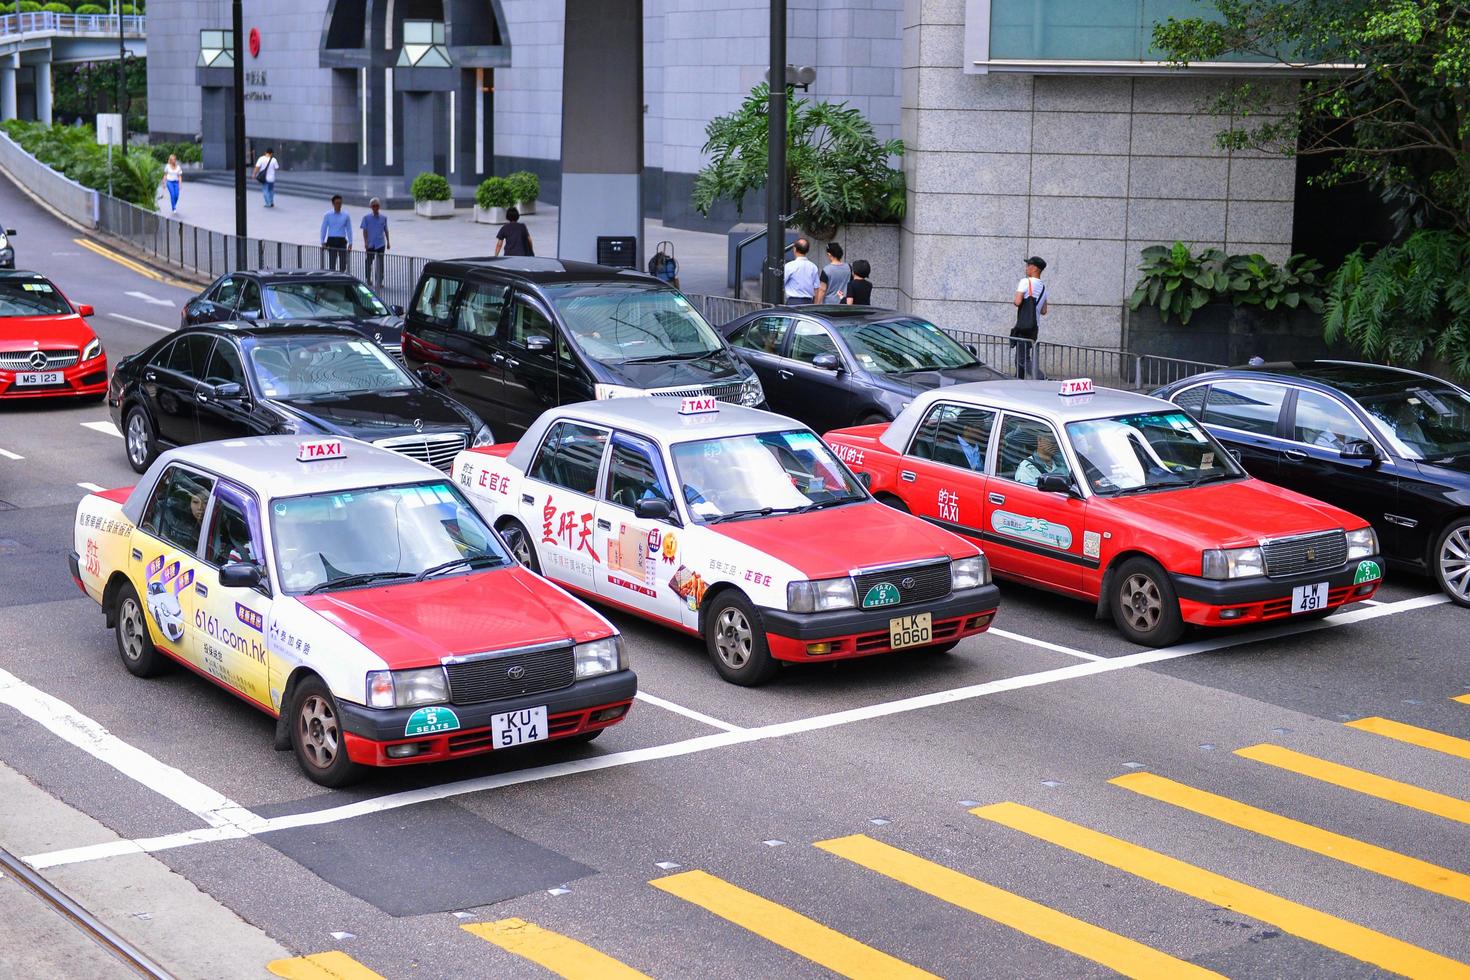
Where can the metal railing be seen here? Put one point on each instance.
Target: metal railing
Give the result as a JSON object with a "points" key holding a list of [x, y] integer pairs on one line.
{"points": [[1106, 367], [96, 25], [720, 310]]}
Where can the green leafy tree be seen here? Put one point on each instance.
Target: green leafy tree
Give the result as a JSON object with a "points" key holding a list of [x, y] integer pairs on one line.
{"points": [[837, 170]]}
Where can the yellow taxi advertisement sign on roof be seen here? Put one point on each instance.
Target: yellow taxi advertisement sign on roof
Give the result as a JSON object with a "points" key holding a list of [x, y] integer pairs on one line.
{"points": [[699, 406], [315, 449], [1077, 386]]}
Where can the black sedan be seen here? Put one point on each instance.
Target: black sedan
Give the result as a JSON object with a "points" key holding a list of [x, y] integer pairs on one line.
{"points": [[836, 366], [229, 380], [1390, 445], [287, 295]]}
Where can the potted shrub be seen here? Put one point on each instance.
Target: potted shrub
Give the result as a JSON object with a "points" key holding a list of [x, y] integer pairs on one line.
{"points": [[526, 188], [492, 197], [431, 196]]}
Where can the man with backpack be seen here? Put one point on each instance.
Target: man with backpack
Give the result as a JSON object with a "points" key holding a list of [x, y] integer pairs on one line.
{"points": [[1030, 301]]}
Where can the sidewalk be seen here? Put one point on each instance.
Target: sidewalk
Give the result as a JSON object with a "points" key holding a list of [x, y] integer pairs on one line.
{"points": [[297, 220]]}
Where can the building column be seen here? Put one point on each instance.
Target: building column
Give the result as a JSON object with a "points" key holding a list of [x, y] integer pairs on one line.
{"points": [[8, 68], [43, 92]]}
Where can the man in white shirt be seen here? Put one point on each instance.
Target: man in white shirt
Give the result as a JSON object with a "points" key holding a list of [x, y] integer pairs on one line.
{"points": [[1030, 301], [1044, 460], [265, 172], [802, 276]]}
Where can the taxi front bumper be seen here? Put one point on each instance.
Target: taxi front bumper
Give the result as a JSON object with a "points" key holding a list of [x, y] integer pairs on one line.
{"points": [[586, 706], [1211, 602], [861, 632]]}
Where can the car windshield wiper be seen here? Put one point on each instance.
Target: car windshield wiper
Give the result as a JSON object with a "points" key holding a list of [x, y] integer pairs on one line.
{"points": [[1142, 488], [736, 514], [361, 578], [455, 563], [1212, 477], [819, 504], [669, 356]]}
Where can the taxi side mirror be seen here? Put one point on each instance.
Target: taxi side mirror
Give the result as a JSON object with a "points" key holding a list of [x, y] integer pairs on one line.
{"points": [[827, 362], [396, 309], [241, 575], [652, 509], [1359, 449], [429, 377], [866, 479], [1054, 483], [84, 309]]}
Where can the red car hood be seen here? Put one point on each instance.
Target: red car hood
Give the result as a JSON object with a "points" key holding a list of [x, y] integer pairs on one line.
{"points": [[830, 543], [1234, 514], [49, 332], [414, 625]]}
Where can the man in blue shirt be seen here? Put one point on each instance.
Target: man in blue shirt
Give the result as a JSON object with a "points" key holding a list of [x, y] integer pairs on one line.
{"points": [[337, 234], [972, 444], [375, 242]]}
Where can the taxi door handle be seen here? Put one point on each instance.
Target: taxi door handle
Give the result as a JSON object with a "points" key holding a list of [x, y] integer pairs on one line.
{"points": [[201, 588], [149, 376], [605, 525], [137, 555], [997, 498], [1294, 454], [785, 374], [526, 498], [907, 476]]}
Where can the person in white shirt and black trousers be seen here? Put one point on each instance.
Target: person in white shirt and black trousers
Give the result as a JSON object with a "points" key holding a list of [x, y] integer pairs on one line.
{"points": [[1030, 301]]}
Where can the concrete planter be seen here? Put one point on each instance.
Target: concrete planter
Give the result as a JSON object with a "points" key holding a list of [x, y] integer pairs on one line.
{"points": [[490, 216], [1220, 333], [526, 207], [434, 209]]}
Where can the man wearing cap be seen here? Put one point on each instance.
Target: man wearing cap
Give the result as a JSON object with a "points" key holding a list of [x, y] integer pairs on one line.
{"points": [[1030, 301]]}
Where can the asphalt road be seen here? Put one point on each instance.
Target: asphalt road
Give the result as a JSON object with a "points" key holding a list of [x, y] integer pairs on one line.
{"points": [[1045, 800]]}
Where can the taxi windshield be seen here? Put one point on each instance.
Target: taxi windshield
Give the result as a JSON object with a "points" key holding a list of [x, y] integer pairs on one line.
{"points": [[1425, 421], [1148, 451], [31, 298], [623, 323], [313, 367], [353, 538], [336, 298], [756, 475], [904, 346]]}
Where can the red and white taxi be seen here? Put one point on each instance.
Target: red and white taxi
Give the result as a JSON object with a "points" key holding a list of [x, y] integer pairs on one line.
{"points": [[1116, 498], [729, 523], [46, 348], [350, 592]]}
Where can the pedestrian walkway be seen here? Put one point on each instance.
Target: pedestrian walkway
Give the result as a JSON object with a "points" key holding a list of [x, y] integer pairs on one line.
{"points": [[1047, 838], [297, 220]]}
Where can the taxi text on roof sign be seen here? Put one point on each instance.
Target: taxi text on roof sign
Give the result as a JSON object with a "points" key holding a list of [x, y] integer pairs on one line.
{"points": [[1077, 386], [315, 449], [699, 406]]}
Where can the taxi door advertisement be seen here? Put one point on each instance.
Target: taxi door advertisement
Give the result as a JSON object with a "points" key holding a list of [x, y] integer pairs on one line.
{"points": [[164, 577], [230, 622]]}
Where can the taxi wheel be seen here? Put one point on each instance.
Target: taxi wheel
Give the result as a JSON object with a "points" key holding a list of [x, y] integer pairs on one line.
{"points": [[1144, 605], [318, 738], [736, 641], [890, 500], [141, 444], [519, 542], [581, 737], [134, 645], [1452, 562], [938, 648]]}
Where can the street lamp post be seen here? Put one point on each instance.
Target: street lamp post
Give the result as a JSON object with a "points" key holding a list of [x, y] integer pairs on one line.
{"points": [[122, 82], [237, 22], [773, 282]]}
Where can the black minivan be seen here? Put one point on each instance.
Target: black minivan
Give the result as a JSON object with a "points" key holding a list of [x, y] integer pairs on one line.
{"points": [[512, 337]]}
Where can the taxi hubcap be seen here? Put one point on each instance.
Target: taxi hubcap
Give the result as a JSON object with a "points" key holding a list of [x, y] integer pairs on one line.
{"points": [[131, 623], [732, 638], [137, 438], [1454, 563], [1142, 605], [318, 729], [519, 547]]}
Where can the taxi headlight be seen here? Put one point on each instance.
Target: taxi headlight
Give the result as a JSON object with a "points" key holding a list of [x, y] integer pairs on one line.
{"points": [[1224, 563], [751, 392], [407, 688], [602, 392], [483, 437], [969, 573], [821, 595], [92, 349], [603, 656], [1362, 543]]}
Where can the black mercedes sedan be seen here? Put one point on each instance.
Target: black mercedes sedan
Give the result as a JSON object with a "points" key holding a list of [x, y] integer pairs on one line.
{"points": [[1387, 444], [298, 295], [835, 366], [228, 380]]}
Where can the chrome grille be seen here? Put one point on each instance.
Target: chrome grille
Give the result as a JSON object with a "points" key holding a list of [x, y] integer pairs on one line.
{"points": [[396, 352], [20, 360], [438, 450], [725, 393], [1305, 553], [920, 582], [489, 677]]}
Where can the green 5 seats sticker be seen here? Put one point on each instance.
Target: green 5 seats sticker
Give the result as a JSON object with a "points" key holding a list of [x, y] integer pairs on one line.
{"points": [[882, 594], [427, 721], [1368, 571]]}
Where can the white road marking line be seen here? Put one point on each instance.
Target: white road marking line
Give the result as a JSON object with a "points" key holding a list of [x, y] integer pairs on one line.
{"points": [[10, 455], [142, 323], [1371, 602], [705, 743], [70, 725], [94, 488], [679, 709], [148, 299], [1056, 647], [106, 428]]}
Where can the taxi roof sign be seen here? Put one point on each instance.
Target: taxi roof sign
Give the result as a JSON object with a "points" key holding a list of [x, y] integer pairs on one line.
{"points": [[700, 405], [1077, 386], [315, 449]]}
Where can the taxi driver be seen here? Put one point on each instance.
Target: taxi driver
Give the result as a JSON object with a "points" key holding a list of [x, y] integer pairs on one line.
{"points": [[1044, 460]]}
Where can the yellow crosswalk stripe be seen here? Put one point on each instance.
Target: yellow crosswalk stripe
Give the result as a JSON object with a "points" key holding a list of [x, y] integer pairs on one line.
{"points": [[332, 965], [1369, 857], [1422, 737], [806, 937], [560, 954], [1116, 952], [1345, 937], [1367, 783]]}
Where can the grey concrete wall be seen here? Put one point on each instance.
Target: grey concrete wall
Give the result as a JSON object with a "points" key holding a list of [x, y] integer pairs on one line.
{"points": [[1083, 170], [173, 50]]}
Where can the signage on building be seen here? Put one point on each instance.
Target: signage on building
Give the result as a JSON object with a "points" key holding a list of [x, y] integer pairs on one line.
{"points": [[255, 42]]}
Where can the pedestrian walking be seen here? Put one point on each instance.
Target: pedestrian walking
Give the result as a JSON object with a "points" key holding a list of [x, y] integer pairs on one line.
{"points": [[801, 278], [337, 234], [375, 242], [513, 236], [173, 175], [860, 290], [265, 172], [1031, 306], [832, 289]]}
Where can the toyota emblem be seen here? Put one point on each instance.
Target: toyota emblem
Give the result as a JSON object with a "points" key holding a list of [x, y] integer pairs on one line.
{"points": [[38, 360], [908, 582], [516, 672], [418, 425], [1311, 554]]}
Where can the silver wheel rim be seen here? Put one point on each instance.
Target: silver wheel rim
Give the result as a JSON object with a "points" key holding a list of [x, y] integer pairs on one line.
{"points": [[316, 724], [1454, 563], [733, 638], [1143, 607], [137, 438], [520, 548], [130, 630]]}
